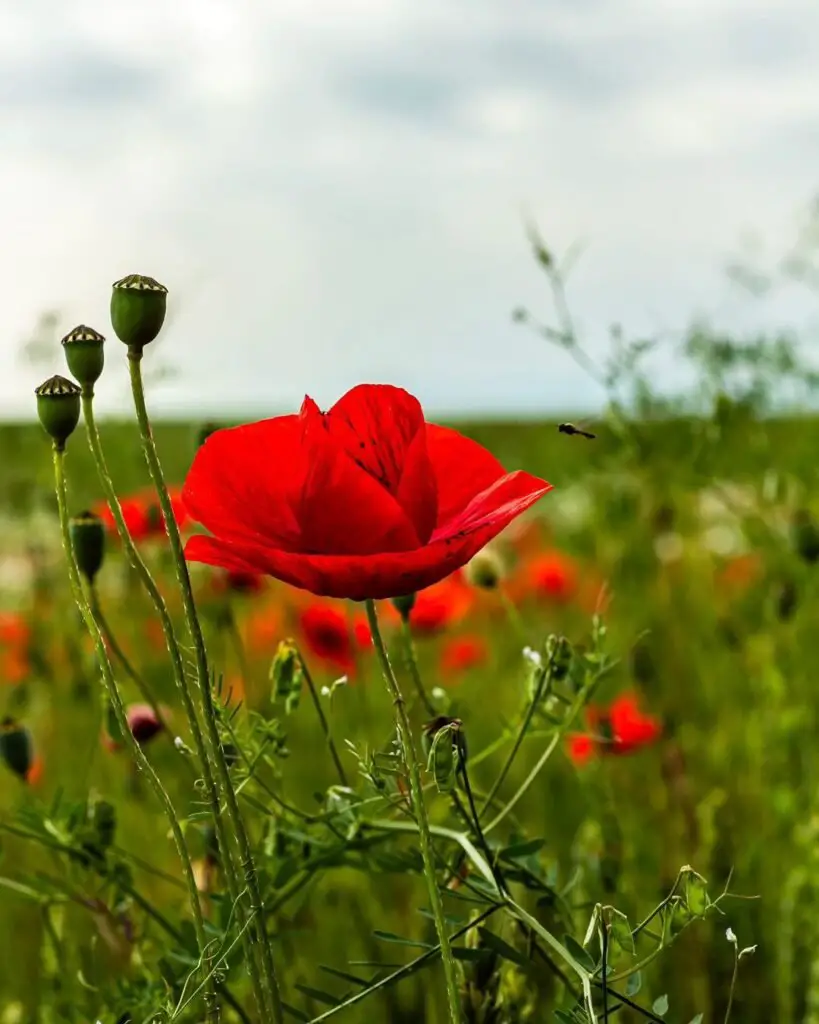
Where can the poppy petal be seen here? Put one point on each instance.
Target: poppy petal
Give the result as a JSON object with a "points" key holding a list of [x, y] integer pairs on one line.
{"points": [[381, 575], [462, 467], [343, 508], [246, 482]]}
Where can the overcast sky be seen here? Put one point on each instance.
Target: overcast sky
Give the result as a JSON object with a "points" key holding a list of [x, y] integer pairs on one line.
{"points": [[334, 190]]}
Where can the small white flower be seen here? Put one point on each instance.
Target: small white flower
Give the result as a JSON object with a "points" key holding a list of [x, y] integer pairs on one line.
{"points": [[729, 935], [325, 691], [533, 657]]}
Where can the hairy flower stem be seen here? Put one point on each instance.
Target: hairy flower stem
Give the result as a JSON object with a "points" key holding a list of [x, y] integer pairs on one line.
{"points": [[182, 683], [215, 750], [142, 762], [419, 807]]}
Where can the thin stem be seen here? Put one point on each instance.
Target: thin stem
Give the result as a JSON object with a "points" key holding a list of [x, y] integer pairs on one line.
{"points": [[406, 970], [419, 807], [180, 677], [215, 750], [211, 1006], [121, 656], [541, 683], [412, 665], [325, 725]]}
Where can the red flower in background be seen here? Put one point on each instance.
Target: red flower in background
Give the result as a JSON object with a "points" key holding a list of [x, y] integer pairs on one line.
{"points": [[620, 729], [15, 641], [551, 576], [440, 606], [462, 653], [364, 501], [330, 636], [239, 583], [142, 514]]}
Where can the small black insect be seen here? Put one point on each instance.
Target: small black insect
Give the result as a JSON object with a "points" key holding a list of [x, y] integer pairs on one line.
{"points": [[570, 428]]}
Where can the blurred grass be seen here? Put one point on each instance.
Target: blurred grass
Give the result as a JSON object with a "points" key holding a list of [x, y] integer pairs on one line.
{"points": [[733, 790]]}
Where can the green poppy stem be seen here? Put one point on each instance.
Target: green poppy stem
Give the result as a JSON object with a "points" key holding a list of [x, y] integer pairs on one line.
{"points": [[211, 1006], [182, 683], [215, 750], [419, 807]]}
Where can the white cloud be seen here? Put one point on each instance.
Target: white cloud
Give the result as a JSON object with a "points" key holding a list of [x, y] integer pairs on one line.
{"points": [[335, 191]]}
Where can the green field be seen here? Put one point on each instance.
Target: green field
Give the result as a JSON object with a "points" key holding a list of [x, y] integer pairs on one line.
{"points": [[713, 599]]}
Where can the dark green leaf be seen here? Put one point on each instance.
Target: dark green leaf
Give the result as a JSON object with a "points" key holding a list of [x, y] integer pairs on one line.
{"points": [[363, 982], [579, 953], [319, 995], [522, 849], [503, 949], [392, 937]]}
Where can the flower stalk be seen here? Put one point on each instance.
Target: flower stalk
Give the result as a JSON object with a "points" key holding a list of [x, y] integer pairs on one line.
{"points": [[413, 771]]}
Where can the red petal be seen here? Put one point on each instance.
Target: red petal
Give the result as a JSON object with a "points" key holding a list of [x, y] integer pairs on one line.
{"points": [[379, 575], [245, 482], [343, 509], [504, 499], [462, 468]]}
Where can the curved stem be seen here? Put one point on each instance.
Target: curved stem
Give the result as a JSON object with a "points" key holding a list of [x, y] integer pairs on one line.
{"points": [[215, 750], [180, 677], [129, 670], [419, 807], [543, 674], [325, 725], [212, 1009]]}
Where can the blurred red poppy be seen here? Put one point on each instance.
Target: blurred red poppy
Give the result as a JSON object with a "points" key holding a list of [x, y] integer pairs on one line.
{"points": [[238, 583], [364, 501], [620, 729], [440, 606], [142, 514], [551, 576], [15, 641], [462, 653], [326, 632]]}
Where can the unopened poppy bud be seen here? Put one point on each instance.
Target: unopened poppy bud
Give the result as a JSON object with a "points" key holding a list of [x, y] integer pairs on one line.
{"points": [[806, 536], [84, 354], [88, 540], [16, 747], [138, 305], [559, 652], [58, 406], [143, 722], [485, 570], [404, 605], [286, 674]]}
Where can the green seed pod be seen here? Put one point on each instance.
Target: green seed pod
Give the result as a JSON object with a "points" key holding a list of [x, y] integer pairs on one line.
{"points": [[404, 605], [485, 570], [286, 674], [84, 354], [442, 763], [58, 406], [16, 747], [138, 305], [88, 540]]}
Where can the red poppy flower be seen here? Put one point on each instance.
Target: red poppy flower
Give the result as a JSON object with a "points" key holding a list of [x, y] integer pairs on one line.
{"points": [[364, 501], [440, 606], [619, 729], [326, 632], [15, 640], [238, 583], [463, 653], [142, 514], [552, 576]]}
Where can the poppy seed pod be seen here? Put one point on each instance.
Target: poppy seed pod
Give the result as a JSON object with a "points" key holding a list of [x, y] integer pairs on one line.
{"points": [[88, 540], [138, 305], [286, 672], [485, 570], [16, 747], [84, 354], [58, 406]]}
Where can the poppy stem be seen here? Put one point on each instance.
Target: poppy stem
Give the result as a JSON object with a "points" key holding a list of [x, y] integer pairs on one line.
{"points": [[419, 807], [183, 685], [211, 1006], [257, 931], [325, 725]]}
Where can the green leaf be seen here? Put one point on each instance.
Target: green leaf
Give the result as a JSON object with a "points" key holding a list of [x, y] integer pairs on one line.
{"points": [[579, 953], [392, 937], [698, 1019], [660, 1006], [298, 1014], [503, 949], [621, 932], [634, 984], [526, 849], [564, 1017], [318, 994], [469, 954], [345, 976]]}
